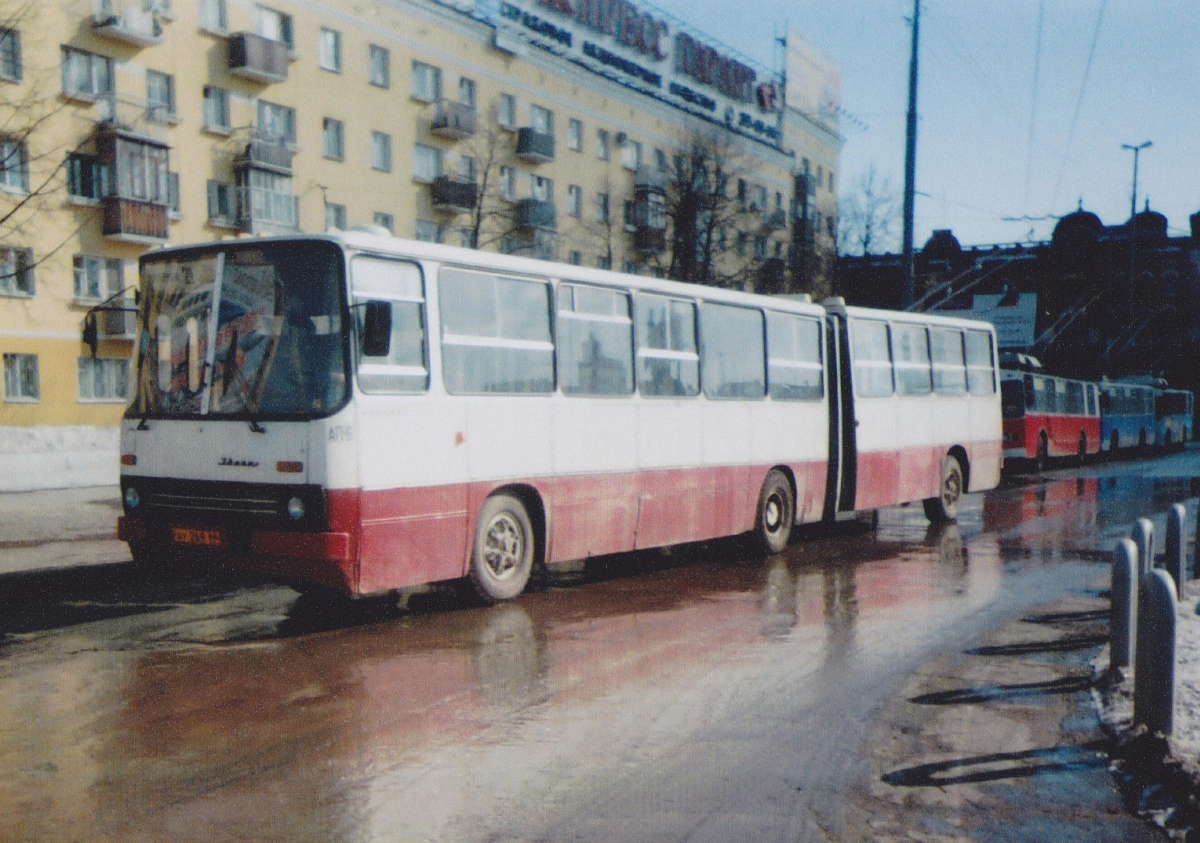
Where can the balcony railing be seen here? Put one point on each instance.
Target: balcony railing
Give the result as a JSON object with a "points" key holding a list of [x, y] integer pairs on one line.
{"points": [[774, 220], [535, 147], [453, 196], [260, 209], [135, 221], [258, 59], [649, 240], [453, 120], [535, 214], [127, 22], [649, 180], [266, 153]]}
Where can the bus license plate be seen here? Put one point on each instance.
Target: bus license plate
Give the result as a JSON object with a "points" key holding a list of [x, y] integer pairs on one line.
{"points": [[191, 535]]}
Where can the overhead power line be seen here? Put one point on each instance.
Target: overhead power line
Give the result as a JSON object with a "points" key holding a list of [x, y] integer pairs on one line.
{"points": [[1079, 102]]}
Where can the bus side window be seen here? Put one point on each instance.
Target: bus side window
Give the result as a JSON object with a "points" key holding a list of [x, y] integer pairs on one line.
{"points": [[981, 368], [594, 341], [910, 356], [495, 334], [405, 367], [949, 362], [794, 371], [872, 358], [668, 362], [732, 359]]}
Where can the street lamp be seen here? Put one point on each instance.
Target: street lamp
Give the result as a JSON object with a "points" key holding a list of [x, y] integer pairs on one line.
{"points": [[1135, 149]]}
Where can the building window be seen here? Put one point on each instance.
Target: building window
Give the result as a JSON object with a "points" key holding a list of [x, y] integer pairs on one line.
{"points": [[87, 178], [85, 75], [97, 279], [631, 154], [277, 122], [508, 183], [602, 144], [575, 135], [466, 168], [14, 166], [602, 207], [603, 262], [21, 377], [574, 200], [381, 151], [103, 379], [380, 70], [541, 120], [160, 96], [758, 202], [329, 50], [16, 272], [574, 258], [629, 267], [212, 15], [541, 188], [660, 160], [629, 215], [466, 91], [426, 82], [274, 25], [333, 139], [385, 221], [427, 163], [10, 55], [220, 202], [335, 216], [173, 200], [506, 111], [216, 109], [428, 232]]}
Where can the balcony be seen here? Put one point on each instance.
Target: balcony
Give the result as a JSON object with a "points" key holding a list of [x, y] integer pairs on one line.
{"points": [[772, 275], [260, 211], [535, 147], [265, 153], [534, 214], [258, 59], [453, 120], [774, 220], [453, 196], [135, 221], [648, 241], [127, 22], [649, 180]]}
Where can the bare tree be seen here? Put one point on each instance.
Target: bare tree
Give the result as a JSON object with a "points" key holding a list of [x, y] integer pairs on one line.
{"points": [[868, 216], [491, 217], [596, 230]]}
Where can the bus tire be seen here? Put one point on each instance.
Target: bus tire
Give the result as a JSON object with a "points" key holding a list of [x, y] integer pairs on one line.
{"points": [[775, 514], [944, 508], [502, 557]]}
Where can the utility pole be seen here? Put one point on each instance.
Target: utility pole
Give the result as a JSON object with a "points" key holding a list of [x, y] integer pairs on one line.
{"points": [[1136, 150], [908, 295]]}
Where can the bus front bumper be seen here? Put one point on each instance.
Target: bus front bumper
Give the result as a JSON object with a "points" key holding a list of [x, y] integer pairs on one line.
{"points": [[313, 547]]}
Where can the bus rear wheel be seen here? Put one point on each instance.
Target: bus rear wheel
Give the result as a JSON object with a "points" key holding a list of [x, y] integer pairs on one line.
{"points": [[502, 558], [944, 508], [776, 513]]}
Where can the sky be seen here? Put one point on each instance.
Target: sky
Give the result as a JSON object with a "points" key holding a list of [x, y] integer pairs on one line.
{"points": [[1023, 105]]}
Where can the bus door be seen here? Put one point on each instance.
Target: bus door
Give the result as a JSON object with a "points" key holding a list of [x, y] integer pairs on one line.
{"points": [[874, 412], [840, 482]]}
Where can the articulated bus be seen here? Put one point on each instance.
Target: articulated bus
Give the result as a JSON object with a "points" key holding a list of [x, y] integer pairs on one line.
{"points": [[1047, 416], [358, 412]]}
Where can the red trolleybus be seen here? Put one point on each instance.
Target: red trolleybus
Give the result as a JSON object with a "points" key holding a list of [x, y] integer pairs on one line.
{"points": [[1047, 417], [367, 414]]}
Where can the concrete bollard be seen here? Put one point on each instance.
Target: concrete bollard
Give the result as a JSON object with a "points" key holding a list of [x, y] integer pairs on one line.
{"points": [[1123, 619], [1175, 552], [1154, 665], [1143, 537]]}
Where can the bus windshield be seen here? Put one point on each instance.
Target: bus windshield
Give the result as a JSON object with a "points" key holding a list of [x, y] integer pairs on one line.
{"points": [[249, 331]]}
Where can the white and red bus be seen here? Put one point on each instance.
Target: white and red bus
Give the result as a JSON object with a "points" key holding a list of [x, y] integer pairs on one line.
{"points": [[1047, 417], [366, 413]]}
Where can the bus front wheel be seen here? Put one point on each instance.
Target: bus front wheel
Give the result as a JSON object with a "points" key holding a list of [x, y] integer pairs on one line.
{"points": [[776, 513], [944, 508], [502, 558]]}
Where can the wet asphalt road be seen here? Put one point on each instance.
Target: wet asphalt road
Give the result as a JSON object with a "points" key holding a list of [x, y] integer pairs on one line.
{"points": [[696, 695]]}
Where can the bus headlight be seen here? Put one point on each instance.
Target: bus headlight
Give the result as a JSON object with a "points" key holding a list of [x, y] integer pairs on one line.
{"points": [[295, 509], [132, 498]]}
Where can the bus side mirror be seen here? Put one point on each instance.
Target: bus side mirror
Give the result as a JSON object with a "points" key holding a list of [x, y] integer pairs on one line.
{"points": [[377, 329]]}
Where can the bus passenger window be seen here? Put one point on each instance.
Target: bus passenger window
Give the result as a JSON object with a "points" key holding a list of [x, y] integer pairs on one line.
{"points": [[981, 369], [595, 341], [404, 369], [910, 356], [794, 370], [949, 363], [495, 334], [872, 358], [668, 364], [732, 359]]}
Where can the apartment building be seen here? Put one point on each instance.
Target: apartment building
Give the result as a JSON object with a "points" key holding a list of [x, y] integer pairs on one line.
{"points": [[544, 127]]}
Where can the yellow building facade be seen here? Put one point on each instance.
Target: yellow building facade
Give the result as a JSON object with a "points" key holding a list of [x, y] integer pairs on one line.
{"points": [[547, 127]]}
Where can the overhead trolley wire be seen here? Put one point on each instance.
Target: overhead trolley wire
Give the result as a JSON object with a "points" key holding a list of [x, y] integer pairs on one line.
{"points": [[1079, 102]]}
